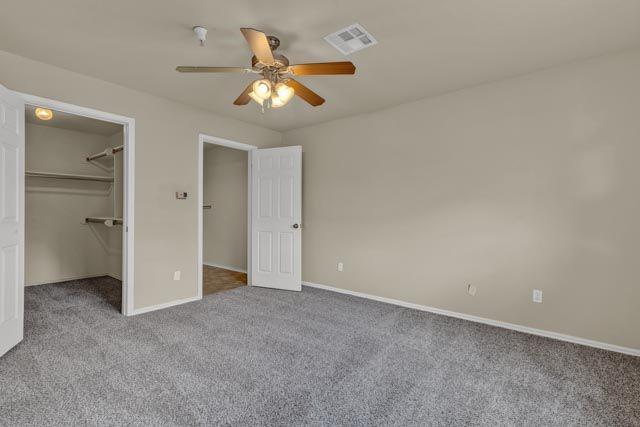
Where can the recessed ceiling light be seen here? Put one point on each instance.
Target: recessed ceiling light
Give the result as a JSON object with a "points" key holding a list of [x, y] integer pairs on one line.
{"points": [[44, 114]]}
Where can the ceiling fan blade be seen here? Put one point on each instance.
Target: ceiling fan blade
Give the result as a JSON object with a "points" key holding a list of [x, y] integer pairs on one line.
{"points": [[323, 68], [244, 97], [187, 69], [305, 93], [259, 45]]}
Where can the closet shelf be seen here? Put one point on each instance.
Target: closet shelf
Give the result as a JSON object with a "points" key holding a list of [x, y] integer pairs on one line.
{"points": [[108, 152], [69, 176], [108, 221]]}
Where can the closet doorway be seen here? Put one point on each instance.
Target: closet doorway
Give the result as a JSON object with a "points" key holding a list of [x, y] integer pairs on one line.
{"points": [[224, 217], [78, 210]]}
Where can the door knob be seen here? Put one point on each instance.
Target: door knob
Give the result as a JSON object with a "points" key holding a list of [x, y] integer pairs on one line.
{"points": [[296, 225]]}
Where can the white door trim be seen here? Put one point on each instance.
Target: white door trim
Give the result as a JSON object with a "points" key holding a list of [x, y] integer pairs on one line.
{"points": [[202, 139], [129, 125]]}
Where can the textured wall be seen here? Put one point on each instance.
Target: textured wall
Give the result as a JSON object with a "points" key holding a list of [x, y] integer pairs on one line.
{"points": [[526, 183]]}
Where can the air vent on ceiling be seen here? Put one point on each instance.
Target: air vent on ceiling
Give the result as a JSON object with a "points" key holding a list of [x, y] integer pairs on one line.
{"points": [[351, 39]]}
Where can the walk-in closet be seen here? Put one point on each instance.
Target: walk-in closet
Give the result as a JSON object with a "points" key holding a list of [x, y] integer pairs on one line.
{"points": [[74, 206]]}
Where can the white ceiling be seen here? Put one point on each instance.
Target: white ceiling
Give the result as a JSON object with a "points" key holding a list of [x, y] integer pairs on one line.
{"points": [[426, 47], [73, 122]]}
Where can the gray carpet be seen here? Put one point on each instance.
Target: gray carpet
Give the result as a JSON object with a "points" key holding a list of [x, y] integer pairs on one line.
{"points": [[257, 356]]}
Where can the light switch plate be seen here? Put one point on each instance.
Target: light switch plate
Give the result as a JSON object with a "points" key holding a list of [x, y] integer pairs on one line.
{"points": [[181, 195]]}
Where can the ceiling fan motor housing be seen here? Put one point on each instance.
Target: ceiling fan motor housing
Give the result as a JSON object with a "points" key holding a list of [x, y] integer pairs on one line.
{"points": [[280, 61]]}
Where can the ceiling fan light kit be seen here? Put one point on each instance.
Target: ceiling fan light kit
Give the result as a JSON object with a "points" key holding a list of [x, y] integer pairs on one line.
{"points": [[276, 87]]}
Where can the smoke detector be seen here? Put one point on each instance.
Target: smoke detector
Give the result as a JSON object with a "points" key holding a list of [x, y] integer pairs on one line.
{"points": [[351, 39], [201, 34]]}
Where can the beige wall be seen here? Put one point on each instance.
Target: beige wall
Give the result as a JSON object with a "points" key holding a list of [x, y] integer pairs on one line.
{"points": [[527, 183], [165, 161], [57, 245], [225, 226]]}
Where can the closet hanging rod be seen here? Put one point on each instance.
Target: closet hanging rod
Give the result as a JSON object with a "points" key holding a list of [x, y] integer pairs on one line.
{"points": [[109, 222], [108, 152], [69, 176]]}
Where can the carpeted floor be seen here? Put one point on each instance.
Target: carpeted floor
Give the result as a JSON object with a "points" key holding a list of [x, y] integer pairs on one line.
{"points": [[256, 356]]}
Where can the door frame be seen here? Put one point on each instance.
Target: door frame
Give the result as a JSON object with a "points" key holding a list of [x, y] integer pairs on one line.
{"points": [[129, 125], [208, 139]]}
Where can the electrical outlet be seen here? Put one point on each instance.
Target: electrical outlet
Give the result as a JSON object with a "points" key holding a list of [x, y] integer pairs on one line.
{"points": [[340, 266], [176, 275], [537, 296], [471, 290]]}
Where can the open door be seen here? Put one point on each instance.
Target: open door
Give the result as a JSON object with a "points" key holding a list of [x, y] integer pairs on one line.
{"points": [[276, 205], [11, 219]]}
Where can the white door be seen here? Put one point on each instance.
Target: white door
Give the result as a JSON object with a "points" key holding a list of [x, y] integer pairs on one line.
{"points": [[276, 203], [11, 219]]}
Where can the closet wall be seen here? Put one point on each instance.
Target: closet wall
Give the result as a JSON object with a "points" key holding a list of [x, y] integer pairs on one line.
{"points": [[58, 246]]}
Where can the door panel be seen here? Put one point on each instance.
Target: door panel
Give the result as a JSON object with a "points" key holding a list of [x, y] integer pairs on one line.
{"points": [[266, 197], [286, 253], [275, 229], [286, 197], [11, 219], [265, 253]]}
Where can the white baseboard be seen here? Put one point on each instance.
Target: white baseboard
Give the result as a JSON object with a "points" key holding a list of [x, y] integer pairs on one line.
{"points": [[164, 305], [505, 325], [226, 267], [68, 279]]}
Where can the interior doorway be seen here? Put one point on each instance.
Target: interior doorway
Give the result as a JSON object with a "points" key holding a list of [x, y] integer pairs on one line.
{"points": [[273, 212], [224, 217], [78, 210], [224, 223]]}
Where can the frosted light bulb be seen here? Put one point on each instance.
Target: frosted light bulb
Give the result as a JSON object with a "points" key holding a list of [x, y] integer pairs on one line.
{"points": [[262, 88], [285, 93]]}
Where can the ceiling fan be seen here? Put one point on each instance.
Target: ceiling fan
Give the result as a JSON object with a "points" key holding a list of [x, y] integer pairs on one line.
{"points": [[276, 87]]}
